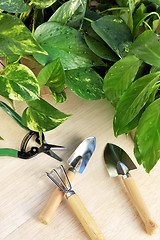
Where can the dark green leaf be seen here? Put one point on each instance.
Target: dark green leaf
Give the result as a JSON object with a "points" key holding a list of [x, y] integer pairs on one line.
{"points": [[15, 37], [148, 136], [1, 138], [99, 47], [85, 82], [53, 76], [114, 31], [14, 6], [119, 77], [65, 12], [43, 3], [12, 114], [40, 116], [147, 48], [66, 43], [133, 100], [155, 1], [19, 83], [122, 3]]}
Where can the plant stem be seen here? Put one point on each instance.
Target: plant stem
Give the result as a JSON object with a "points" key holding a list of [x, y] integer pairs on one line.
{"points": [[87, 19], [36, 66]]}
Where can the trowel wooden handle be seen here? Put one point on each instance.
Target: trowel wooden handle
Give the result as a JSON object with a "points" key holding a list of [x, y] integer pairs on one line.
{"points": [[85, 218], [54, 201], [138, 202]]}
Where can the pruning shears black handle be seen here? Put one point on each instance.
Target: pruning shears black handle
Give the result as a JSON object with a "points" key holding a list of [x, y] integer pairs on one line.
{"points": [[24, 154]]}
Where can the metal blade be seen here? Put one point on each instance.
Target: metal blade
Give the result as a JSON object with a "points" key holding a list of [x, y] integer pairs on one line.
{"points": [[117, 160], [80, 157]]}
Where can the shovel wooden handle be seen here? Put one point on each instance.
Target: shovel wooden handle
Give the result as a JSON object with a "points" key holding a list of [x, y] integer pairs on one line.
{"points": [[85, 218], [54, 201], [138, 202]]}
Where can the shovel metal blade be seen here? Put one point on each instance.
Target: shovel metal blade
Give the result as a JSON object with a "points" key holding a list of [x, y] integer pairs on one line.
{"points": [[80, 157], [117, 160]]}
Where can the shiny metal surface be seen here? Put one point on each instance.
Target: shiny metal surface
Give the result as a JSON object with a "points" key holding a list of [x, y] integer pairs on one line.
{"points": [[80, 157], [117, 160]]}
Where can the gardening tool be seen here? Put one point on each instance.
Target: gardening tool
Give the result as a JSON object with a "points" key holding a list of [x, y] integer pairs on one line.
{"points": [[119, 163], [44, 147], [81, 155], [77, 206]]}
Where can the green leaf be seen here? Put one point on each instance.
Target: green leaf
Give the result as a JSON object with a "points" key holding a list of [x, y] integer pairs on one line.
{"points": [[136, 150], [147, 48], [98, 46], [155, 69], [133, 100], [43, 3], [58, 97], [85, 82], [53, 76], [14, 6], [148, 136], [64, 13], [12, 114], [19, 83], [15, 37], [155, 1], [119, 77], [1, 138], [41, 116], [114, 31], [77, 18], [66, 43], [12, 59]]}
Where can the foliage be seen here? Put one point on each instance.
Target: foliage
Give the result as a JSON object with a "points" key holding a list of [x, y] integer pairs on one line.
{"points": [[98, 49]]}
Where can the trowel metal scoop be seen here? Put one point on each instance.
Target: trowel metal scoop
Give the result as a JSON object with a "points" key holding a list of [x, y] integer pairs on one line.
{"points": [[77, 162], [119, 163]]}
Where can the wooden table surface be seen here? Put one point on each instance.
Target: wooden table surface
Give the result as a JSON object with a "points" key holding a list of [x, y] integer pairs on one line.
{"points": [[25, 188]]}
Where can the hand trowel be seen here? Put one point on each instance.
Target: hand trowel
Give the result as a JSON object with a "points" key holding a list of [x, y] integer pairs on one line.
{"points": [[119, 163]]}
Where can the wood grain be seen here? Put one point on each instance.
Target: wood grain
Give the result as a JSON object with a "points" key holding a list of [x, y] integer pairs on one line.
{"points": [[25, 189]]}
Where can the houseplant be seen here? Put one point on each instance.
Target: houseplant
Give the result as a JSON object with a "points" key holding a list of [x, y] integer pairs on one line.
{"points": [[98, 50]]}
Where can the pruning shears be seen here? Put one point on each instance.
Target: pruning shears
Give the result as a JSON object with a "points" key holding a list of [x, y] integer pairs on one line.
{"points": [[34, 150]]}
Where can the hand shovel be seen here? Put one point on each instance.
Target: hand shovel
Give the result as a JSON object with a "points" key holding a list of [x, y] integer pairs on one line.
{"points": [[119, 163], [81, 156]]}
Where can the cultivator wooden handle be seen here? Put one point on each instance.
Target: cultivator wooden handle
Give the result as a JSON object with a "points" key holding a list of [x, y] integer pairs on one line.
{"points": [[85, 218], [54, 201]]}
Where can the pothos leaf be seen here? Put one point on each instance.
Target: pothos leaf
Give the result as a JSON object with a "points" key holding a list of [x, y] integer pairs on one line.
{"points": [[147, 48], [119, 77], [19, 83], [67, 43], [15, 37], [40, 116], [53, 76], [65, 12], [85, 82], [147, 137], [14, 6], [43, 3], [114, 31], [133, 100]]}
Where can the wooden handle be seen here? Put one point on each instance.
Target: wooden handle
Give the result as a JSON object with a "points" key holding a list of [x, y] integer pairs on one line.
{"points": [[85, 218], [54, 201], [140, 205]]}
